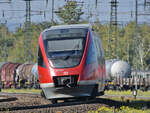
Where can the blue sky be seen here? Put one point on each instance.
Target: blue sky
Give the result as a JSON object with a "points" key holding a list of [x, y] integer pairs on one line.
{"points": [[126, 11]]}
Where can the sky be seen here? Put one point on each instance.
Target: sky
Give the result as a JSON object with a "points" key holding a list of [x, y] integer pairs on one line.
{"points": [[14, 12]]}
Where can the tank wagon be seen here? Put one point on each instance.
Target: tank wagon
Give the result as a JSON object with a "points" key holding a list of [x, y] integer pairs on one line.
{"points": [[116, 71], [109, 64], [121, 77], [71, 62], [120, 68], [116, 67]]}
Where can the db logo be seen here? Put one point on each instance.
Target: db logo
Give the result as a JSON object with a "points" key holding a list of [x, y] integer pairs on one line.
{"points": [[65, 73]]}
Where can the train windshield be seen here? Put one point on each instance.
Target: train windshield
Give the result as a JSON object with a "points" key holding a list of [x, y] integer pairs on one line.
{"points": [[65, 49], [64, 45]]}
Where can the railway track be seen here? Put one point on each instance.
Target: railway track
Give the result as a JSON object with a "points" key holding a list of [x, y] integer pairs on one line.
{"points": [[23, 103], [34, 102], [72, 106]]}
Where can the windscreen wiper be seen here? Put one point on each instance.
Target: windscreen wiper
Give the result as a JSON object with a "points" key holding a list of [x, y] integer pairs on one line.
{"points": [[69, 55]]}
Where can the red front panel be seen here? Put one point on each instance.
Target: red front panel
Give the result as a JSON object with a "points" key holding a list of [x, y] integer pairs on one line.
{"points": [[85, 70], [46, 74]]}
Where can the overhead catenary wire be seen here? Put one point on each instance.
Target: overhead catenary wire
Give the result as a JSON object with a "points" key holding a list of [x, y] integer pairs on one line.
{"points": [[84, 3]]}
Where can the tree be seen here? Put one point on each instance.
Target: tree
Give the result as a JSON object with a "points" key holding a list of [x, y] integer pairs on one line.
{"points": [[70, 13], [144, 46], [6, 42]]}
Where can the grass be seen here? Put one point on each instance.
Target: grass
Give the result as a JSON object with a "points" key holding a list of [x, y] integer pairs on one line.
{"points": [[21, 90], [110, 92], [119, 103], [123, 109], [125, 104], [128, 93]]}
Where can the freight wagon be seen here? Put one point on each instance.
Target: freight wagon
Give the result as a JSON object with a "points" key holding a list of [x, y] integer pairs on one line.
{"points": [[14, 75], [142, 80]]}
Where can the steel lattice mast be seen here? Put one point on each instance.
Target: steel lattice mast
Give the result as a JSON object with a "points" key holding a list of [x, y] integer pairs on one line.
{"points": [[27, 36], [113, 25]]}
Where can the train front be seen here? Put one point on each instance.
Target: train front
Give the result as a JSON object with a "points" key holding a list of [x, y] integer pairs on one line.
{"points": [[61, 63]]}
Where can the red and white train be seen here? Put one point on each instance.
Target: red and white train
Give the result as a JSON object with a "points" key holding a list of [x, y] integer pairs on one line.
{"points": [[71, 62]]}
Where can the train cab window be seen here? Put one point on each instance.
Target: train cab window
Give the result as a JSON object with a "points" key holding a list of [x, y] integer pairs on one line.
{"points": [[64, 47], [40, 59]]}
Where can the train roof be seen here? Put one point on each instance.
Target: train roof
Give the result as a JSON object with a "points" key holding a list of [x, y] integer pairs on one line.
{"points": [[70, 26]]}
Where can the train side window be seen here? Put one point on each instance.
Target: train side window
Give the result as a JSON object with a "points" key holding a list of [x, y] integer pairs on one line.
{"points": [[40, 59], [94, 38], [102, 50], [98, 45]]}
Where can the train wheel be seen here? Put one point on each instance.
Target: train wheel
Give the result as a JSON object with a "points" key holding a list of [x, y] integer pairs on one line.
{"points": [[42, 94], [94, 93], [54, 101], [102, 93]]}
